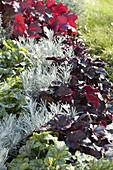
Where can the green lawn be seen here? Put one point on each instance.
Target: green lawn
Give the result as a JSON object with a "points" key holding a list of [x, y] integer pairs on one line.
{"points": [[97, 27]]}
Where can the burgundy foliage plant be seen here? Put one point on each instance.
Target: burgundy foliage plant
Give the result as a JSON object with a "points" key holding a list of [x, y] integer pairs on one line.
{"points": [[88, 93], [29, 17]]}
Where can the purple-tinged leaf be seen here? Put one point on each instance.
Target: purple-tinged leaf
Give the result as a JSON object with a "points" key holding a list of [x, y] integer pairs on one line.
{"points": [[64, 90], [74, 138], [61, 122]]}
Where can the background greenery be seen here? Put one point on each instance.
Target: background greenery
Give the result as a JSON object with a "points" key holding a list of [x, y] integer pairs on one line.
{"points": [[96, 28]]}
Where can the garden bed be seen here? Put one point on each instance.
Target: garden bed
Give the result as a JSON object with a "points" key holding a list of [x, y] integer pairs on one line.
{"points": [[55, 98]]}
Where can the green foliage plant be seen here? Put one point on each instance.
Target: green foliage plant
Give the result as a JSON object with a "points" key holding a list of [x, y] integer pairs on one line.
{"points": [[43, 151], [13, 60], [96, 29], [13, 130], [11, 96]]}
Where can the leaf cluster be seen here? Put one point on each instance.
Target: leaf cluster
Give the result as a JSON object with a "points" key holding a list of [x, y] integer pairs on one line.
{"points": [[13, 60], [43, 151], [11, 96], [29, 18], [81, 83], [72, 86], [14, 131], [73, 79]]}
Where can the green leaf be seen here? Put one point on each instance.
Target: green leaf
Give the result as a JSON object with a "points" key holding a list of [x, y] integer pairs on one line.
{"points": [[24, 166], [58, 154], [11, 97], [102, 164]]}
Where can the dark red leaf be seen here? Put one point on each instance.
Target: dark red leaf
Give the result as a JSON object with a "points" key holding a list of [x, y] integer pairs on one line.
{"points": [[26, 4], [34, 30], [59, 23], [72, 23], [47, 98], [56, 61], [73, 139], [61, 20], [40, 3], [50, 3], [89, 89], [94, 153], [60, 9], [93, 99], [40, 8], [99, 131], [66, 99], [71, 20], [19, 25], [103, 123], [105, 96], [74, 80], [8, 15], [35, 27], [61, 122]]}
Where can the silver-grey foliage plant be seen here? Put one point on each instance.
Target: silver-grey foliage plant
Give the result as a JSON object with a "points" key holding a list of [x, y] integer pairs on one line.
{"points": [[37, 77], [12, 130], [38, 52]]}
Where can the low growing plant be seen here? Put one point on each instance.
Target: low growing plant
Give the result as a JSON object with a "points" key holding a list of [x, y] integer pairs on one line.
{"points": [[14, 131], [29, 18], [81, 83], [13, 60], [43, 151], [11, 97], [69, 78]]}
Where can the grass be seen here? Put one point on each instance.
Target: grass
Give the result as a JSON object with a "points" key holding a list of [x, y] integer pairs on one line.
{"points": [[97, 27]]}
